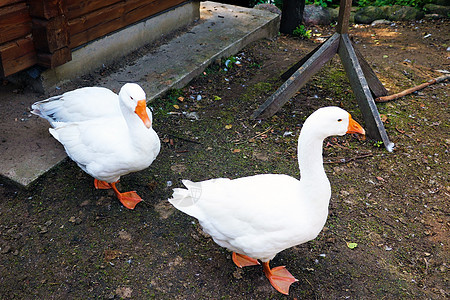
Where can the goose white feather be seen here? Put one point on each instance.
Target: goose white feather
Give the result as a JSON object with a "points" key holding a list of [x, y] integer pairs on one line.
{"points": [[104, 133], [259, 216]]}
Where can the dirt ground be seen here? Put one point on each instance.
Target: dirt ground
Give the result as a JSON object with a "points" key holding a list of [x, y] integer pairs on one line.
{"points": [[62, 239]]}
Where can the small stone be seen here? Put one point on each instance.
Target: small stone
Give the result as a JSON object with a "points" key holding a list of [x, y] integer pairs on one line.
{"points": [[75, 220], [192, 115], [43, 230], [344, 193], [124, 292], [380, 22], [5, 249]]}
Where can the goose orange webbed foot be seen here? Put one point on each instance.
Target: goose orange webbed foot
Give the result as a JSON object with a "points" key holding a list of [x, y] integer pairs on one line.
{"points": [[128, 199], [280, 278], [242, 260]]}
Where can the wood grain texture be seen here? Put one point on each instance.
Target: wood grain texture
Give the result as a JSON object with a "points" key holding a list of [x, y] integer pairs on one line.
{"points": [[15, 22], [117, 16], [17, 56], [50, 35], [46, 9]]}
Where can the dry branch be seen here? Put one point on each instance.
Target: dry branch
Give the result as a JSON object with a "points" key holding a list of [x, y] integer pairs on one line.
{"points": [[413, 89], [346, 160]]}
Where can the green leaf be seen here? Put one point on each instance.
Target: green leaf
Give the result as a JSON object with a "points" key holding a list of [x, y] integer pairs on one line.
{"points": [[352, 245]]}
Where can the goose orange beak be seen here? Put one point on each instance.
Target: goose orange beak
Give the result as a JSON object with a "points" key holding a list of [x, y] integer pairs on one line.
{"points": [[141, 111], [354, 127]]}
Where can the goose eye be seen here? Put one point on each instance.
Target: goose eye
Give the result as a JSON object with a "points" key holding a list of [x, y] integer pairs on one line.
{"points": [[339, 120]]}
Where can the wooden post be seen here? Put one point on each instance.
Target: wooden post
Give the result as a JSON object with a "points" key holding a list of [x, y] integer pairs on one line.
{"points": [[357, 70], [298, 79], [50, 32], [344, 16], [375, 127]]}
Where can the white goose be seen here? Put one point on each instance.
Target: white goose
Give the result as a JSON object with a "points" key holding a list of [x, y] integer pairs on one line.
{"points": [[258, 216], [106, 134]]}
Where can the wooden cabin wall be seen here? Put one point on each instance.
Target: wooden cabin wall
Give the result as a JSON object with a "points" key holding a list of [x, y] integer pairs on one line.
{"points": [[16, 43], [91, 19], [44, 32]]}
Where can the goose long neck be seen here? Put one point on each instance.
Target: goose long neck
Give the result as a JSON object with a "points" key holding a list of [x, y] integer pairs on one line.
{"points": [[310, 158]]}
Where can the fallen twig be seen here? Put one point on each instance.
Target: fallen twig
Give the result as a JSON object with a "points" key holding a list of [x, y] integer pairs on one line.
{"points": [[259, 134], [413, 89], [346, 160]]}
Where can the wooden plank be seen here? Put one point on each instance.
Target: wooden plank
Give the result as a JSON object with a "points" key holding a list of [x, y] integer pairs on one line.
{"points": [[344, 16], [9, 2], [78, 8], [124, 13], [15, 22], [285, 76], [46, 9], [17, 56], [115, 17], [50, 35], [298, 79], [101, 20], [374, 126], [57, 58]]}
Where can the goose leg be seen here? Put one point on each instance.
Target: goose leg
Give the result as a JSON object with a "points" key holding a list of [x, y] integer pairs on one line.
{"points": [[128, 199], [242, 260], [101, 185], [279, 277]]}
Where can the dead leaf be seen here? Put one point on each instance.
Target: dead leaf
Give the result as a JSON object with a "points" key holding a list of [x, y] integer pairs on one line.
{"points": [[111, 254], [152, 185], [124, 292], [260, 155], [124, 235], [181, 99], [236, 150], [399, 130], [176, 106], [179, 168], [383, 118], [228, 126]]}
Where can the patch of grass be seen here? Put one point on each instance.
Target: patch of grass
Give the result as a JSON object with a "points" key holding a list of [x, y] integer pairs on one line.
{"points": [[302, 32], [256, 90], [161, 106]]}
